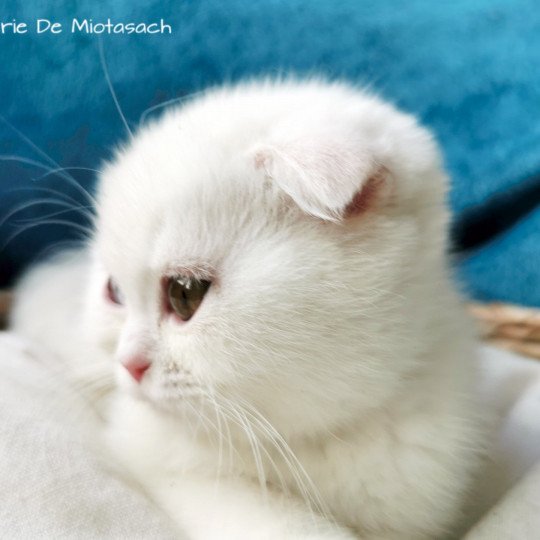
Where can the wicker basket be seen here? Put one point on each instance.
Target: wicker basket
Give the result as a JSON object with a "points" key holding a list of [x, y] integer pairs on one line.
{"points": [[511, 327], [5, 303]]}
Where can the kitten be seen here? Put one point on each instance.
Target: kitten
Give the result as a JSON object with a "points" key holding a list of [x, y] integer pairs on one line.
{"points": [[269, 271]]}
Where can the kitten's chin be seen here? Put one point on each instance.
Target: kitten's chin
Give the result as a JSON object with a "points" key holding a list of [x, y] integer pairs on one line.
{"points": [[176, 401], [178, 405]]}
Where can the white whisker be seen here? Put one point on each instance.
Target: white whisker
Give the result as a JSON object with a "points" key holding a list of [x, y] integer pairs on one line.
{"points": [[173, 101], [111, 87], [60, 170], [81, 228]]}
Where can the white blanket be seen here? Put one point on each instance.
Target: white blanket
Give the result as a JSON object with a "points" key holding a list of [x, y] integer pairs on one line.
{"points": [[53, 484]]}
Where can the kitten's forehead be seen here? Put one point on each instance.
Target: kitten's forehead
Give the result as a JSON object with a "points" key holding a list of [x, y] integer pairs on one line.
{"points": [[160, 207]]}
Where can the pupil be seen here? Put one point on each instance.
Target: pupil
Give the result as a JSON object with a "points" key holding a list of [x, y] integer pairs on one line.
{"points": [[184, 296]]}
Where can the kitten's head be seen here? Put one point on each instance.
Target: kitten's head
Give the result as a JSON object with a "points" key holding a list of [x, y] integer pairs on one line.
{"points": [[265, 245]]}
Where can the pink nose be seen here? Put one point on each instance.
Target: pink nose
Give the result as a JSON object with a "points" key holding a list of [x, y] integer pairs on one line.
{"points": [[137, 366]]}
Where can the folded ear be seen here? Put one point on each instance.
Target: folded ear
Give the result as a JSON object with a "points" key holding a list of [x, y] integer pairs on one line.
{"points": [[331, 178]]}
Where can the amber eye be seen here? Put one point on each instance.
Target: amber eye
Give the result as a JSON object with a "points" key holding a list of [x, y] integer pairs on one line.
{"points": [[185, 294], [113, 292]]}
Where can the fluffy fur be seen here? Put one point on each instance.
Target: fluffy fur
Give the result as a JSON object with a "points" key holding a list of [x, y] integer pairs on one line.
{"points": [[324, 387]]}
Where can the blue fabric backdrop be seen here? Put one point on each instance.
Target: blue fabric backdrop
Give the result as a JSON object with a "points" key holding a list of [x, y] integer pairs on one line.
{"points": [[468, 68]]}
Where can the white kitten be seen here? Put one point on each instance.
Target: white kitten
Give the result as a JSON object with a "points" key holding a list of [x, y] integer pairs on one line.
{"points": [[269, 265]]}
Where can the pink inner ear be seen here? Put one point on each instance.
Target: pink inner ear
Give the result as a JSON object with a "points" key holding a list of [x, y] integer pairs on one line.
{"points": [[368, 195]]}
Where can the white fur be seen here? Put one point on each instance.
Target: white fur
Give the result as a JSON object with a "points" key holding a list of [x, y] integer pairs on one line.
{"points": [[327, 375]]}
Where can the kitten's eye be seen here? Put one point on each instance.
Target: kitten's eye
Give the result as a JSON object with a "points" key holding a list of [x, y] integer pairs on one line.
{"points": [[184, 295], [114, 294]]}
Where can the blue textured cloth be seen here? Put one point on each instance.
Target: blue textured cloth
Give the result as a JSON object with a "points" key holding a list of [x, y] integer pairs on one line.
{"points": [[468, 68], [508, 268]]}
